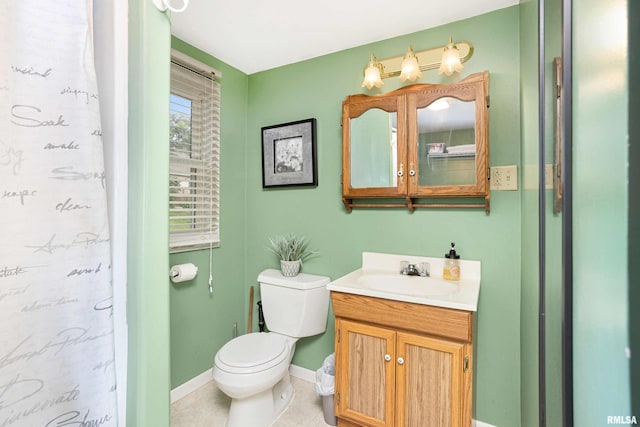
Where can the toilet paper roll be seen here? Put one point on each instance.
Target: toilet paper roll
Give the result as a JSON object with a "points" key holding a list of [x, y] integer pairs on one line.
{"points": [[183, 272]]}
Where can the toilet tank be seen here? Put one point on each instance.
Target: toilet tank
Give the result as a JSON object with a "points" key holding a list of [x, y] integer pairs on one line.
{"points": [[294, 306]]}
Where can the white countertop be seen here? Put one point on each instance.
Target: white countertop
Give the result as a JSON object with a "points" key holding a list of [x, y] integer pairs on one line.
{"points": [[380, 277]]}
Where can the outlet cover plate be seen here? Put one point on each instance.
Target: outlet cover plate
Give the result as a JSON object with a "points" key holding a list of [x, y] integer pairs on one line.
{"points": [[504, 178]]}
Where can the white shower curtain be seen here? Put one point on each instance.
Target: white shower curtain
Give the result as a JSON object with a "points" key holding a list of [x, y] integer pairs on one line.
{"points": [[56, 326]]}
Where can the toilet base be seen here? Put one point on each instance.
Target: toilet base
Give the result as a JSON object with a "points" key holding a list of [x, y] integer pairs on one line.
{"points": [[261, 409]]}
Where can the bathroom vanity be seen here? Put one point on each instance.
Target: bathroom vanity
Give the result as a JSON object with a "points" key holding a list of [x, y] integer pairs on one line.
{"points": [[404, 351]]}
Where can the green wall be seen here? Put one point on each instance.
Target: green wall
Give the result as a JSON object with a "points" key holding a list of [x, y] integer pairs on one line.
{"points": [[316, 88], [147, 295], [201, 322], [600, 203]]}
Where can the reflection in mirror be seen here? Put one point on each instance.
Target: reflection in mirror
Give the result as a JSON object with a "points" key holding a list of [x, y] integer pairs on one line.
{"points": [[374, 149], [446, 143], [557, 152]]}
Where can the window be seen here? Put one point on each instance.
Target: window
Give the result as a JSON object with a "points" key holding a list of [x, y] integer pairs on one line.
{"points": [[194, 155]]}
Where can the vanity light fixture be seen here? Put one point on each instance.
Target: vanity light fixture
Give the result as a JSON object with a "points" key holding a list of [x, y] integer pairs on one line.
{"points": [[450, 62], [372, 73], [410, 69], [448, 58]]}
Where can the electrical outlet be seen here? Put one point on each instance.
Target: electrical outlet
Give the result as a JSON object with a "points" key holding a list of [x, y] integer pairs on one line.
{"points": [[548, 176], [504, 178]]}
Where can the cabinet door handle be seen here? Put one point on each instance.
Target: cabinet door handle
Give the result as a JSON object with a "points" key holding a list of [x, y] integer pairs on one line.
{"points": [[387, 357], [400, 361]]}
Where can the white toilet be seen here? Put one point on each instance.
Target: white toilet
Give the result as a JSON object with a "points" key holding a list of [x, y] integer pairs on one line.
{"points": [[253, 369]]}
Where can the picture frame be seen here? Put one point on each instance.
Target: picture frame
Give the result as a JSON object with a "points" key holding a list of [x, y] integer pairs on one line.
{"points": [[289, 154]]}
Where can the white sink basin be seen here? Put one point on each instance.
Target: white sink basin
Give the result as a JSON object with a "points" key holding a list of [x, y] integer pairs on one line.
{"points": [[407, 285], [380, 277]]}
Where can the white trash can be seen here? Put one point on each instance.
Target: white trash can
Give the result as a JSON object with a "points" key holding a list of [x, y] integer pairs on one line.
{"points": [[325, 383]]}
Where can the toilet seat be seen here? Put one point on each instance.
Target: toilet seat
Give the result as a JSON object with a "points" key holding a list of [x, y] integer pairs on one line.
{"points": [[251, 353]]}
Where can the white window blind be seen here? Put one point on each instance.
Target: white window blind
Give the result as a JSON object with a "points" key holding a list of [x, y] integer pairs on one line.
{"points": [[194, 159]]}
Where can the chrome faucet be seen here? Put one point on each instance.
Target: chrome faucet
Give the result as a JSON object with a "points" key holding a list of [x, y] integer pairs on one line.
{"points": [[414, 270]]}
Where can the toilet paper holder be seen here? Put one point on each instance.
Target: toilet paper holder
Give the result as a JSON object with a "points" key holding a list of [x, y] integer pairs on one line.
{"points": [[183, 272]]}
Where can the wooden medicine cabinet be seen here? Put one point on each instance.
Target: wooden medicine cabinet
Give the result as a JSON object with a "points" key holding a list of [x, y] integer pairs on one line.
{"points": [[417, 146]]}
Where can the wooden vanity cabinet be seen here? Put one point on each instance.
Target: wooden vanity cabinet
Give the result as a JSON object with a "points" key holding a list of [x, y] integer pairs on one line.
{"points": [[401, 364]]}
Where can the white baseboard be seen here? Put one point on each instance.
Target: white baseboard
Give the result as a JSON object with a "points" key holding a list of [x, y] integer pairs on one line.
{"points": [[302, 373], [191, 385], [295, 371], [200, 380]]}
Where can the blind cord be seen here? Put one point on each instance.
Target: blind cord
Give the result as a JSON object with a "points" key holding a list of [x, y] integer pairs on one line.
{"points": [[211, 205]]}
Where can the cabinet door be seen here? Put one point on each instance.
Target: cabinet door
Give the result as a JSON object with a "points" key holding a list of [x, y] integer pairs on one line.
{"points": [[447, 138], [373, 146], [365, 386], [429, 381]]}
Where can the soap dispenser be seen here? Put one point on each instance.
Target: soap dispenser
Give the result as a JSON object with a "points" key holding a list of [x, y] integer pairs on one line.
{"points": [[451, 269]]}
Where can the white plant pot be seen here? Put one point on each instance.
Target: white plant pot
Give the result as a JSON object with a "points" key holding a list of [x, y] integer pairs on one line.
{"points": [[290, 268]]}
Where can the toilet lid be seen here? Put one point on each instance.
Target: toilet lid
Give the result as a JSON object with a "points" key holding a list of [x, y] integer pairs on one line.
{"points": [[247, 352]]}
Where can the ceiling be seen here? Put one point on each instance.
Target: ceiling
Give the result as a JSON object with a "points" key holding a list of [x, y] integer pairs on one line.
{"points": [[257, 35]]}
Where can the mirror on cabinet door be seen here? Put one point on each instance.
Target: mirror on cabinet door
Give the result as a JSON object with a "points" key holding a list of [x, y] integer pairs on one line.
{"points": [[372, 157], [446, 143], [374, 149]]}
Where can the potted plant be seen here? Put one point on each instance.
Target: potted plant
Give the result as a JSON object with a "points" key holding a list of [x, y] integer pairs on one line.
{"points": [[292, 251]]}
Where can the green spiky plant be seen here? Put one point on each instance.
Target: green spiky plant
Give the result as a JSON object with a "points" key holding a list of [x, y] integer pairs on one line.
{"points": [[289, 247]]}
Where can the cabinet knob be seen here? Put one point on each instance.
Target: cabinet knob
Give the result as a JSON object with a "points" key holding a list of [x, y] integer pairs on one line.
{"points": [[400, 361], [387, 357]]}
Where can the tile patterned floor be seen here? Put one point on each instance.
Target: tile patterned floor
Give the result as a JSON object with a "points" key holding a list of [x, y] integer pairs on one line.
{"points": [[208, 407]]}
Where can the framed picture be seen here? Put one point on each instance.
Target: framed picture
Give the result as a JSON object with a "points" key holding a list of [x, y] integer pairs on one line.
{"points": [[289, 154]]}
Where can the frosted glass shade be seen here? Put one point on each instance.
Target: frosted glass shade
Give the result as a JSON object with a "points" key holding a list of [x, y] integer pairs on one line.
{"points": [[410, 69], [372, 74], [450, 62]]}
